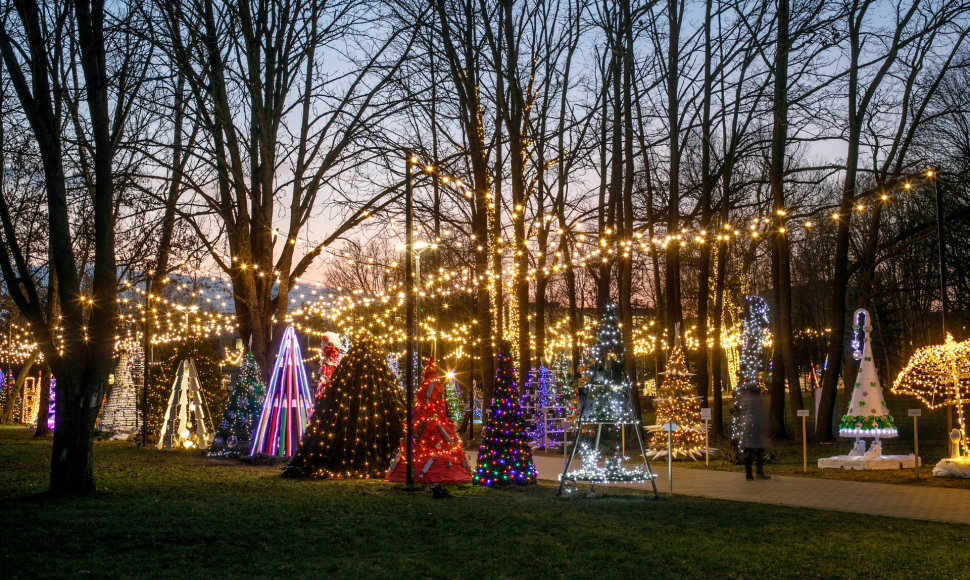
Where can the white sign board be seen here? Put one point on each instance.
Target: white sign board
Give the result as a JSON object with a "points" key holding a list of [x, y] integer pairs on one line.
{"points": [[706, 414], [802, 412], [670, 426], [915, 412]]}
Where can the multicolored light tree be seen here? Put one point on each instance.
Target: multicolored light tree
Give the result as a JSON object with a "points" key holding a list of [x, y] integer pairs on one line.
{"points": [[438, 453], [678, 404], [287, 405], [504, 456], [357, 424], [235, 432]]}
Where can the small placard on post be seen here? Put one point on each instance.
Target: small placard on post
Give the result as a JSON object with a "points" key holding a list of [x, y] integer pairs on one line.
{"points": [[706, 414], [670, 426], [915, 412], [802, 412]]}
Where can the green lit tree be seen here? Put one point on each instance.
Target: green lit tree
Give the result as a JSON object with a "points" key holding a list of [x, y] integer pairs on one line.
{"points": [[234, 434]]}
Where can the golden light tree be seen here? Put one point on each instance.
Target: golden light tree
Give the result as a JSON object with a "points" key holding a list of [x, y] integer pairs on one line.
{"points": [[678, 404]]}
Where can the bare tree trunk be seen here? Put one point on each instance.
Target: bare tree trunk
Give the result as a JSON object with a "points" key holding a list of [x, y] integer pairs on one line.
{"points": [[707, 188], [781, 273], [674, 312]]}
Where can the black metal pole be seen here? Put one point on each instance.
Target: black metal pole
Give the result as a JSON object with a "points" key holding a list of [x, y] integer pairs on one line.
{"points": [[409, 296], [941, 242], [145, 361]]}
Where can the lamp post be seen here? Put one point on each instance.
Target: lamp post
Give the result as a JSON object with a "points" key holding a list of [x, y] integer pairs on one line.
{"points": [[409, 322], [941, 257]]}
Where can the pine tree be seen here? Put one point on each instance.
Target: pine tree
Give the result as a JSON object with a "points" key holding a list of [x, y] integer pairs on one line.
{"points": [[678, 404], [235, 431], [287, 404], [504, 456], [357, 424], [438, 456]]}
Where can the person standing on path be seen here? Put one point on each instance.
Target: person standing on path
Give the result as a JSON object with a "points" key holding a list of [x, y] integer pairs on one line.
{"points": [[754, 438]]}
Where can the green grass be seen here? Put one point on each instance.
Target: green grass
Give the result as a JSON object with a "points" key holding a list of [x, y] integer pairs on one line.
{"points": [[172, 514]]}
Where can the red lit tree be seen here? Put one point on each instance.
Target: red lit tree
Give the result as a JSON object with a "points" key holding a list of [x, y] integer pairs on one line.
{"points": [[438, 454], [504, 456]]}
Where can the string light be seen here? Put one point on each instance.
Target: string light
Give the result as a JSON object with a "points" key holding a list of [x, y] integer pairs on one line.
{"points": [[357, 424]]}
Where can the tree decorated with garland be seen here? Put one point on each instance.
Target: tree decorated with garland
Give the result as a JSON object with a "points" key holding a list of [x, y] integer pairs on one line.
{"points": [[677, 403], [358, 423], [235, 432], [504, 456], [438, 456]]}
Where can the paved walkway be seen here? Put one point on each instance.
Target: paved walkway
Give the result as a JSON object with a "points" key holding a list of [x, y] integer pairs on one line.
{"points": [[884, 499]]}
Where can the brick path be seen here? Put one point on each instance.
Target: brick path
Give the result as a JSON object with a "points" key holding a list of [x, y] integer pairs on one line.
{"points": [[884, 499]]}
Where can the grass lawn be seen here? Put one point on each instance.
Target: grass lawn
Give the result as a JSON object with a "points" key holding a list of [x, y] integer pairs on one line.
{"points": [[167, 514]]}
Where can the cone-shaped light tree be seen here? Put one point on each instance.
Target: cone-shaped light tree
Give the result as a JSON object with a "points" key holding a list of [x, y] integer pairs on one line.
{"points": [[438, 453], [358, 422], [504, 456], [235, 432], [868, 415], [678, 404], [185, 419], [287, 405]]}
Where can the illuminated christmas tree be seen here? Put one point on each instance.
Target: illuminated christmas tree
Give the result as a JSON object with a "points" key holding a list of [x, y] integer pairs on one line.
{"points": [[748, 408], [185, 416], [287, 405], [438, 456], [120, 413], [50, 404], [868, 415], [605, 408], [453, 398], [235, 432], [358, 423], [504, 456], [543, 395], [677, 403]]}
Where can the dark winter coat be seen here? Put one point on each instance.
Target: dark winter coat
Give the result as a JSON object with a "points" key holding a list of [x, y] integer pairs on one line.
{"points": [[755, 433]]}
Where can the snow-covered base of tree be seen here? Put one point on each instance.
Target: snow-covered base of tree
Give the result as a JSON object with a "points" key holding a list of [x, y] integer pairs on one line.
{"points": [[883, 462], [950, 468]]}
